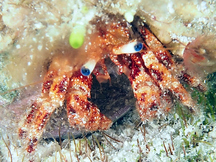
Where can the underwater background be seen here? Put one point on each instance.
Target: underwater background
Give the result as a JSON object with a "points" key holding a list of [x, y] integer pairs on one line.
{"points": [[30, 30]]}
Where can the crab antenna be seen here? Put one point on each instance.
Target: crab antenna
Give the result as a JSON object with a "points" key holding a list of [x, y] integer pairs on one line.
{"points": [[88, 67], [131, 47]]}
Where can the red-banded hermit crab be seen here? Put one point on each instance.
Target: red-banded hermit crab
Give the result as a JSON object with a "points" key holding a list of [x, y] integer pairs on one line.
{"points": [[136, 52]]}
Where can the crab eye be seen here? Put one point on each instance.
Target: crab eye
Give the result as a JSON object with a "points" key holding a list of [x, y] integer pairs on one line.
{"points": [[88, 67], [131, 47], [138, 47], [85, 71]]}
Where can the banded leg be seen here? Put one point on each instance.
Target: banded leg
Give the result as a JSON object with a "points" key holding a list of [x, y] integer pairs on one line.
{"points": [[80, 111], [53, 92], [166, 80], [147, 93], [165, 57], [193, 81], [148, 96], [158, 49]]}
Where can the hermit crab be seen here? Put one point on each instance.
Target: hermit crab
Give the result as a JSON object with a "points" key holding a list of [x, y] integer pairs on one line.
{"points": [[137, 53]]}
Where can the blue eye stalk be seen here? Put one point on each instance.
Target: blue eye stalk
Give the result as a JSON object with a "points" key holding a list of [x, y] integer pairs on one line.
{"points": [[138, 47], [88, 67], [131, 47], [85, 71]]}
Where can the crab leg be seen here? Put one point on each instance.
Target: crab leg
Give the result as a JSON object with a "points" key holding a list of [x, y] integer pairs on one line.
{"points": [[147, 93], [54, 89], [165, 57], [160, 52], [166, 80], [81, 112]]}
